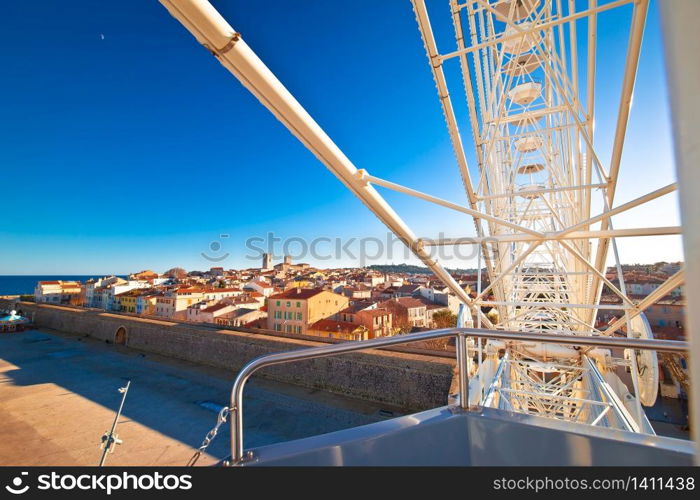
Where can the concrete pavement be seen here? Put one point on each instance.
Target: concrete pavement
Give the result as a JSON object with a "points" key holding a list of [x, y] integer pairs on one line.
{"points": [[58, 395]]}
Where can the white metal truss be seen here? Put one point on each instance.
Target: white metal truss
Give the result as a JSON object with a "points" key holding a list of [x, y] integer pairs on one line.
{"points": [[539, 178], [543, 201]]}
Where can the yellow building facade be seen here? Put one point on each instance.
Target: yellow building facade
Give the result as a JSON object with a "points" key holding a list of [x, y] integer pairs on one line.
{"points": [[292, 311]]}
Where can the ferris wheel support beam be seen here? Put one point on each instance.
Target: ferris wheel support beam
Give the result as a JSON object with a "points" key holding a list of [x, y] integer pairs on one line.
{"points": [[447, 204], [622, 208], [466, 75], [630, 76], [533, 246], [611, 307], [596, 272], [546, 190], [205, 23], [539, 27], [590, 100], [573, 47], [634, 47], [435, 61], [575, 235], [664, 289], [444, 95]]}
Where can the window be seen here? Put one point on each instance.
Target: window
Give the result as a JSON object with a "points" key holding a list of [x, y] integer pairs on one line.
{"points": [[278, 302], [298, 304], [299, 316], [289, 304]]}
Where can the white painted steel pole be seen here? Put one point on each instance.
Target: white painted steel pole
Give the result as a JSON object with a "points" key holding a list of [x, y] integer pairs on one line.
{"points": [[212, 31]]}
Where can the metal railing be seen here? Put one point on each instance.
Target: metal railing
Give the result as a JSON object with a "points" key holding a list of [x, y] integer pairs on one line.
{"points": [[237, 451]]}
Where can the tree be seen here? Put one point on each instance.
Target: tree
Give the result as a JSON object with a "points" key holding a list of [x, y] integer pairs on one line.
{"points": [[441, 319], [401, 325], [444, 319]]}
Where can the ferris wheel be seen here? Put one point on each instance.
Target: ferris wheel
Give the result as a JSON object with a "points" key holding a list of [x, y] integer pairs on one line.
{"points": [[540, 178], [542, 203]]}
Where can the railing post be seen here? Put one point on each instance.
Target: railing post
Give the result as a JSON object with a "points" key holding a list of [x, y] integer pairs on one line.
{"points": [[462, 364], [236, 408], [237, 434]]}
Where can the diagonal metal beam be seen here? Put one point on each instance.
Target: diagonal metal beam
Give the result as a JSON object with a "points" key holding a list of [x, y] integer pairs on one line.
{"points": [[435, 61], [600, 275], [212, 31], [510, 268], [426, 32], [651, 299], [448, 204], [554, 236], [639, 16], [622, 208]]}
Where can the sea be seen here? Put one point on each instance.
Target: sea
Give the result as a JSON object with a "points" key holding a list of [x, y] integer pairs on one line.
{"points": [[25, 284]]}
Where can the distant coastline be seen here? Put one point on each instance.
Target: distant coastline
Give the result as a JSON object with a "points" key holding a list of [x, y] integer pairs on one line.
{"points": [[23, 284]]}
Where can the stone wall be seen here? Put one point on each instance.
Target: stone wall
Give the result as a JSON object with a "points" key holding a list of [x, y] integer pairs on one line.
{"points": [[411, 381]]}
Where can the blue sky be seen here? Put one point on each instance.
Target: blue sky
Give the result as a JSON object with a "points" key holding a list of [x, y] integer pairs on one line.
{"points": [[124, 145]]}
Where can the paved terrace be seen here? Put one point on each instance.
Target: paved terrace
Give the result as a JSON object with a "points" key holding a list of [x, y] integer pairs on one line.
{"points": [[58, 395]]}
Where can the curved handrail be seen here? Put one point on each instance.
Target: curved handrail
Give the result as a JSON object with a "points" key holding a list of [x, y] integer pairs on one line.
{"points": [[237, 454]]}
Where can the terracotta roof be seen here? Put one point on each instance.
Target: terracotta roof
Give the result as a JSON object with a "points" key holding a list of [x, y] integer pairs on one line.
{"points": [[408, 302], [298, 293], [375, 312], [261, 284], [329, 325], [215, 307]]}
